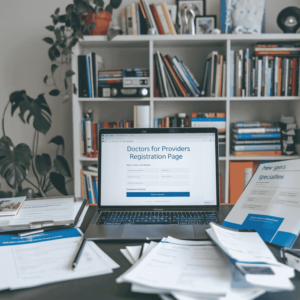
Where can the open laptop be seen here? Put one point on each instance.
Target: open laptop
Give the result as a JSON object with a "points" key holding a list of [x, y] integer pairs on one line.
{"points": [[154, 183]]}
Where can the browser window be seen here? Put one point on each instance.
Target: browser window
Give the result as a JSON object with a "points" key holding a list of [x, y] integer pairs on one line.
{"points": [[158, 169]]}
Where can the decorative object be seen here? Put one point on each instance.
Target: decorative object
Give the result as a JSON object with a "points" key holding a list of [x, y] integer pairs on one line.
{"points": [[186, 12], [172, 10], [249, 14], [205, 24], [288, 19], [216, 31]]}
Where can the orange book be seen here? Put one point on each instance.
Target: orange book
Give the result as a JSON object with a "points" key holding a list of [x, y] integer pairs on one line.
{"points": [[262, 53], [279, 76], [157, 19], [94, 134], [237, 178], [168, 19], [194, 115], [176, 78], [257, 153]]}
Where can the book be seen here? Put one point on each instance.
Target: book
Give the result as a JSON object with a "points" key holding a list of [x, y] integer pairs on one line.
{"points": [[123, 22], [168, 19], [83, 89], [253, 142], [90, 186], [256, 147], [256, 153], [149, 15], [162, 18], [11, 206], [256, 130], [257, 136], [129, 24], [157, 19]]}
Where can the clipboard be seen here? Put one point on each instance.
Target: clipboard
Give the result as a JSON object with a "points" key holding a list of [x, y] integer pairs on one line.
{"points": [[46, 224]]}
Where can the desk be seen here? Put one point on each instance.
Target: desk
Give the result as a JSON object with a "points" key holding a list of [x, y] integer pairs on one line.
{"points": [[104, 287]]}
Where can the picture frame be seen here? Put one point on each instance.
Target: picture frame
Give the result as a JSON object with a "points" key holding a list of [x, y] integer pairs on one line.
{"points": [[198, 7], [205, 24], [172, 10]]}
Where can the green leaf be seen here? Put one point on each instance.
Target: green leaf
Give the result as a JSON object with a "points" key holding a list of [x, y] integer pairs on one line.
{"points": [[38, 109], [59, 141], [74, 89], [5, 194], [109, 8], [73, 42], [54, 19], [91, 26], [53, 68], [51, 54], [115, 3], [82, 8], [69, 73], [54, 92], [63, 45], [66, 51], [48, 40], [66, 83], [57, 11], [62, 166], [45, 79], [43, 163], [79, 34], [14, 162], [57, 33], [58, 182], [62, 19], [16, 98], [28, 192], [50, 28], [56, 52], [99, 2], [69, 9]]}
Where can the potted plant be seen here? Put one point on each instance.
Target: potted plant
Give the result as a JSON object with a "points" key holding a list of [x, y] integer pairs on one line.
{"points": [[98, 18]]}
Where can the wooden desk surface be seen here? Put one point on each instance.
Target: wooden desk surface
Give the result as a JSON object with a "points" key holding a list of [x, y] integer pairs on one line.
{"points": [[105, 288]]}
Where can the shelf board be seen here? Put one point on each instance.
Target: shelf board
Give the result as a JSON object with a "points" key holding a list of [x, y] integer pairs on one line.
{"points": [[280, 157], [90, 40], [112, 99], [190, 99], [273, 98], [84, 158]]}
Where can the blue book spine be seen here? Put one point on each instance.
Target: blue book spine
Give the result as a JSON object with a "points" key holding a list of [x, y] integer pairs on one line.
{"points": [[95, 182], [225, 27], [257, 147], [257, 136], [208, 119], [189, 78], [155, 122], [91, 200], [88, 75]]}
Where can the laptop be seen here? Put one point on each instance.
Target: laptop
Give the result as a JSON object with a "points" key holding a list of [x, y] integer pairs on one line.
{"points": [[156, 182]]}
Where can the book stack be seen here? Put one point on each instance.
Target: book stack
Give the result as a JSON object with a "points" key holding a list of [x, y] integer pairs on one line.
{"points": [[256, 139], [89, 184], [288, 134], [88, 66], [272, 71], [138, 18], [174, 79], [114, 82], [179, 120], [209, 119], [90, 133]]}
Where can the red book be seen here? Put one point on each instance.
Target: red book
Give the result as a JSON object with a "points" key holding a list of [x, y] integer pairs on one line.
{"points": [[157, 19], [94, 134], [294, 75]]}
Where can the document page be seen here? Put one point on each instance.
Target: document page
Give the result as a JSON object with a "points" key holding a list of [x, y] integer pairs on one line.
{"points": [[175, 265], [270, 204], [42, 210]]}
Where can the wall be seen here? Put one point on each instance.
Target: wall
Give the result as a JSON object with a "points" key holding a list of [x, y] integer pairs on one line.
{"points": [[24, 63]]}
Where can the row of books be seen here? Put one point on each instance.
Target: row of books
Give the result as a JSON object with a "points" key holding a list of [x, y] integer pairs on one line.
{"points": [[137, 18], [272, 71], [89, 184], [88, 68], [174, 79]]}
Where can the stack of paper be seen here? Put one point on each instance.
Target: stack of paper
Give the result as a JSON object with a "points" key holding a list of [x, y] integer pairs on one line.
{"points": [[190, 270], [47, 257]]}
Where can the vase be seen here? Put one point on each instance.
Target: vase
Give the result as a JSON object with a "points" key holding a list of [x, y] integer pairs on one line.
{"points": [[102, 21]]}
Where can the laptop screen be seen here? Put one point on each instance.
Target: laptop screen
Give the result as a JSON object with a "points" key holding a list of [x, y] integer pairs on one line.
{"points": [[158, 169]]}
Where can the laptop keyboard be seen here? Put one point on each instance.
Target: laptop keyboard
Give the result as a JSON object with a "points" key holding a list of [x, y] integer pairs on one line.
{"points": [[135, 218]]}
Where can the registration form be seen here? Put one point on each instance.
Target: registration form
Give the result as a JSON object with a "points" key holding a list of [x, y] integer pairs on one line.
{"points": [[270, 204]]}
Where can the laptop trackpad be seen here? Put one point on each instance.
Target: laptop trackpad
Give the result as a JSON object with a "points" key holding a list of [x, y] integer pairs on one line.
{"points": [[158, 231]]}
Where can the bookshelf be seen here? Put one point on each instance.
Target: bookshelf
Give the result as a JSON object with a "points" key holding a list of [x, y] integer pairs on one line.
{"points": [[137, 51]]}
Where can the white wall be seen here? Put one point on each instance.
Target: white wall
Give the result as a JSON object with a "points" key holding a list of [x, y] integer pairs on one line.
{"points": [[24, 62]]}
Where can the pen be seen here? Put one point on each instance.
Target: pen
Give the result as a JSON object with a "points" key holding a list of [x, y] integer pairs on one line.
{"points": [[30, 232], [78, 255]]}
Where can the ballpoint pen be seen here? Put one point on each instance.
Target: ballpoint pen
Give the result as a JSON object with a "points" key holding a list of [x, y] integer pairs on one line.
{"points": [[78, 255]]}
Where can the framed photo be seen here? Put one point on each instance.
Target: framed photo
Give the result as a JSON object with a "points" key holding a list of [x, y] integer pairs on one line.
{"points": [[172, 10], [205, 24], [197, 6]]}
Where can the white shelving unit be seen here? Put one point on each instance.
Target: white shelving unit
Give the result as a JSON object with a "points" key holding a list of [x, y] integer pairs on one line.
{"points": [[137, 51]]}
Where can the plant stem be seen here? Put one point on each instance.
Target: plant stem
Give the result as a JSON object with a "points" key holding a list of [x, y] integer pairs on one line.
{"points": [[3, 118], [32, 184]]}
